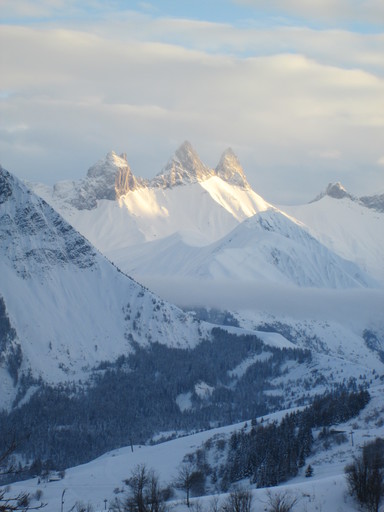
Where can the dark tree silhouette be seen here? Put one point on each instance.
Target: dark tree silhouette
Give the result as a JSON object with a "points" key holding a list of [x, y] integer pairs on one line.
{"points": [[365, 476], [144, 493], [21, 501]]}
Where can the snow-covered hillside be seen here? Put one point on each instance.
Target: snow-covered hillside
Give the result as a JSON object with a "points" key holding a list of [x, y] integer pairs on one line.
{"points": [[268, 247], [66, 307], [100, 481], [347, 226]]}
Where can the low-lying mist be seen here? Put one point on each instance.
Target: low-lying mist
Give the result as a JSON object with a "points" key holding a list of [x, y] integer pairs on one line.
{"points": [[354, 307]]}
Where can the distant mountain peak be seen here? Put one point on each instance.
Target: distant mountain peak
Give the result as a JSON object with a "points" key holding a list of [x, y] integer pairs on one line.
{"points": [[334, 190], [111, 177], [187, 152], [188, 157], [184, 167], [230, 170], [337, 191]]}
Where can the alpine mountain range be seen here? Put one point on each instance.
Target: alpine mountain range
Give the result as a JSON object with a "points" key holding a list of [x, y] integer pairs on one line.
{"points": [[82, 329]]}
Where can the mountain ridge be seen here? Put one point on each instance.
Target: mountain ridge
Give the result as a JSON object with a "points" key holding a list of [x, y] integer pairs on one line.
{"points": [[203, 205], [337, 191], [65, 307], [111, 177], [267, 247]]}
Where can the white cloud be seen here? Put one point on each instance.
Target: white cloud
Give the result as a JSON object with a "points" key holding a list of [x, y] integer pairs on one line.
{"points": [[332, 47], [82, 95], [380, 161]]}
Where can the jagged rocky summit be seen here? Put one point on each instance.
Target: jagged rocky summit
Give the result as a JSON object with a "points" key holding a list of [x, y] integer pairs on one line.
{"points": [[111, 177], [337, 191], [184, 167], [334, 190], [230, 170]]}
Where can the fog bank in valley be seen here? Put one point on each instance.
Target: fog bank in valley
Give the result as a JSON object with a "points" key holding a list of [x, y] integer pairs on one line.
{"points": [[352, 306]]}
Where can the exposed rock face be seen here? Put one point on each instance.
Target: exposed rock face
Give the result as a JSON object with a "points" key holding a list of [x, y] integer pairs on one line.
{"points": [[230, 170], [184, 167], [101, 176], [334, 190], [111, 177], [33, 236], [5, 186], [337, 191], [375, 202]]}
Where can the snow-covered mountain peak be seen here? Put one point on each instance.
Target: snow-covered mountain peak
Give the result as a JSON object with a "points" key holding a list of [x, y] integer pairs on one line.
{"points": [[111, 177], [33, 237], [230, 170], [337, 191], [275, 247], [334, 190], [184, 167], [107, 165]]}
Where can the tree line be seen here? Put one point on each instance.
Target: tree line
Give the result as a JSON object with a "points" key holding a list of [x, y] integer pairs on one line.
{"points": [[135, 397]]}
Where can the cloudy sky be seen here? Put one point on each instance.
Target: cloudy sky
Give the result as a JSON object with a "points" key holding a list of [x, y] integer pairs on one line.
{"points": [[295, 87]]}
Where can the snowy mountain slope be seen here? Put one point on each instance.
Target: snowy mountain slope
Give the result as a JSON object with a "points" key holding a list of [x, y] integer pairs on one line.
{"points": [[150, 214], [344, 335], [187, 197], [69, 308], [269, 246], [102, 479], [346, 226]]}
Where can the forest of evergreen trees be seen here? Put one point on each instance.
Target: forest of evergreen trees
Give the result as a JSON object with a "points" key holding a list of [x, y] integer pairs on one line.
{"points": [[135, 397], [269, 453]]}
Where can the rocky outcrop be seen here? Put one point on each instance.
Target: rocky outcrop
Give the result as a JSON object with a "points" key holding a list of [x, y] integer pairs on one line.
{"points": [[184, 167], [111, 177], [230, 170], [337, 191]]}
